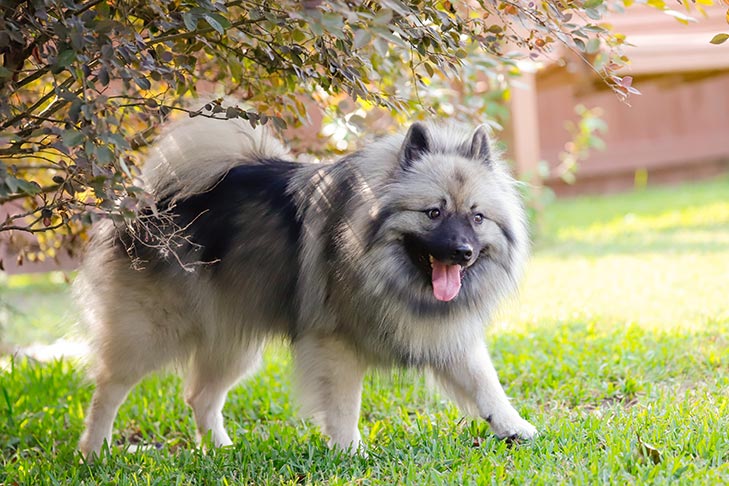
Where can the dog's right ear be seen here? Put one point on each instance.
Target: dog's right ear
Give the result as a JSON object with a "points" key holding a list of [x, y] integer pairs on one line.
{"points": [[417, 143]]}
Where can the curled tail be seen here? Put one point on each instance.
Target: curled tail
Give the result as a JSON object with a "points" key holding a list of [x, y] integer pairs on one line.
{"points": [[192, 154]]}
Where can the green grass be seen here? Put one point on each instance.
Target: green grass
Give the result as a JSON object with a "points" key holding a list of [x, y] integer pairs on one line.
{"points": [[35, 308], [619, 337]]}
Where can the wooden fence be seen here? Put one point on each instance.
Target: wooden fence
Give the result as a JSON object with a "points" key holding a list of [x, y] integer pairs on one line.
{"points": [[676, 130]]}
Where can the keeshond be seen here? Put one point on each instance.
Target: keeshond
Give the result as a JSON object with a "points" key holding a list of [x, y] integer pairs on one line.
{"points": [[395, 255]]}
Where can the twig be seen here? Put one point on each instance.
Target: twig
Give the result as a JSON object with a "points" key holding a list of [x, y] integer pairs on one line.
{"points": [[44, 190], [68, 82]]}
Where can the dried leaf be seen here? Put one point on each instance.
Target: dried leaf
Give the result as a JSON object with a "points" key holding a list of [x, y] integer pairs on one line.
{"points": [[648, 451], [719, 39]]}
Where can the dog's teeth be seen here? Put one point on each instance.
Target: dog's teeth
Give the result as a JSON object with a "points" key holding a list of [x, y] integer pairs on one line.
{"points": [[430, 257]]}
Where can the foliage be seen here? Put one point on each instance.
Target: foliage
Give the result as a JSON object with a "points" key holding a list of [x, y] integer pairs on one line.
{"points": [[585, 136], [85, 83]]}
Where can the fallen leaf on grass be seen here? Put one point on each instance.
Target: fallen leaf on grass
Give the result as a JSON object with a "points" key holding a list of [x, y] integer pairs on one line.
{"points": [[646, 450]]}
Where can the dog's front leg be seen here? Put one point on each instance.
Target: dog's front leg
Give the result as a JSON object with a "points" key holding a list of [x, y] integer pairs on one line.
{"points": [[329, 382], [472, 381]]}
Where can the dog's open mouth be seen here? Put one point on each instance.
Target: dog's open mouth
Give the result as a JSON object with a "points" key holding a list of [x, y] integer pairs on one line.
{"points": [[444, 278]]}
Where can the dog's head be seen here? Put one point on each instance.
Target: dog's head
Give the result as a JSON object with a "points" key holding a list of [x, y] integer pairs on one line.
{"points": [[452, 217]]}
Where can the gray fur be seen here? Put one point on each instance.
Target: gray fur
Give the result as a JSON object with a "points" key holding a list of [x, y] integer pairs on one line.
{"points": [[325, 263]]}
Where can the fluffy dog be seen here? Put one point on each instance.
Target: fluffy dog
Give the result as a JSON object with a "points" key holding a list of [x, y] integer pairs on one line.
{"points": [[395, 255]]}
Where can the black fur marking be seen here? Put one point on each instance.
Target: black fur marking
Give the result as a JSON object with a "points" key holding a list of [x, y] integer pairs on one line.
{"points": [[452, 233], [213, 219], [376, 224], [337, 198], [417, 250], [508, 234], [213, 214], [460, 178]]}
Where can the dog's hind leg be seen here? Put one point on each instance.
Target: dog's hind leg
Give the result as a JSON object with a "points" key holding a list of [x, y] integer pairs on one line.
{"points": [[121, 362], [213, 371], [108, 396], [329, 384]]}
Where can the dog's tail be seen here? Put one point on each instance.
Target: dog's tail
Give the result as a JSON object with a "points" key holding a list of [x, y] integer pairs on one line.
{"points": [[192, 154]]}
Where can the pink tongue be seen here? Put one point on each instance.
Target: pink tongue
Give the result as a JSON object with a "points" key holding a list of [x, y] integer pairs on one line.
{"points": [[446, 281]]}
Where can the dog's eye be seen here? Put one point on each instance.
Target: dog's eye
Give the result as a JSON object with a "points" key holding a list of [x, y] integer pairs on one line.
{"points": [[433, 213], [478, 218]]}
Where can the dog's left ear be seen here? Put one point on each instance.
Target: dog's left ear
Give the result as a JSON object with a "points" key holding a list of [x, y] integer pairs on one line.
{"points": [[416, 143], [480, 149]]}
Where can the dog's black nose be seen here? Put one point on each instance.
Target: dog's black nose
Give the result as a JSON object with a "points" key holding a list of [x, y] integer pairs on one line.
{"points": [[462, 254]]}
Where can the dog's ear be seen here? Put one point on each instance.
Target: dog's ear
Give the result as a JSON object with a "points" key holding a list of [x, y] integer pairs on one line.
{"points": [[480, 149], [417, 143]]}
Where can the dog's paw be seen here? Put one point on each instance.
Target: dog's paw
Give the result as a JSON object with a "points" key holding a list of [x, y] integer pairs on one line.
{"points": [[352, 447], [512, 426]]}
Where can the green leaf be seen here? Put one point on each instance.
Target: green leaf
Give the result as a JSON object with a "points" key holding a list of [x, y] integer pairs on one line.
{"points": [[72, 137], [65, 58], [214, 24], [143, 83], [104, 154], [361, 38], [719, 39], [12, 183], [190, 20], [104, 76], [592, 3], [593, 45], [383, 17], [298, 35], [332, 22], [19, 186], [429, 69], [222, 20]]}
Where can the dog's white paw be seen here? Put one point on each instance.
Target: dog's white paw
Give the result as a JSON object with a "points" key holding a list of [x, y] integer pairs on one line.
{"points": [[353, 447], [511, 426]]}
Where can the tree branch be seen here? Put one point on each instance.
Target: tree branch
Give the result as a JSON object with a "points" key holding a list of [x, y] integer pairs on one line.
{"points": [[22, 195], [28, 229], [68, 82], [187, 35]]}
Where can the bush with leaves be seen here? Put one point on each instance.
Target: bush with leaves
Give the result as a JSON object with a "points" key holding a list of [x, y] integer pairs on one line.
{"points": [[86, 83]]}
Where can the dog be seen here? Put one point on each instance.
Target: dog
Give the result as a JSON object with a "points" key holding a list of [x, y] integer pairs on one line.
{"points": [[395, 255]]}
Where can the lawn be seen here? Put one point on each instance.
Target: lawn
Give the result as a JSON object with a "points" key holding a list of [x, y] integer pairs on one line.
{"points": [[617, 348]]}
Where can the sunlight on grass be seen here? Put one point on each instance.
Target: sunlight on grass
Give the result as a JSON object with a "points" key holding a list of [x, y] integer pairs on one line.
{"points": [[684, 219], [599, 260], [653, 289]]}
